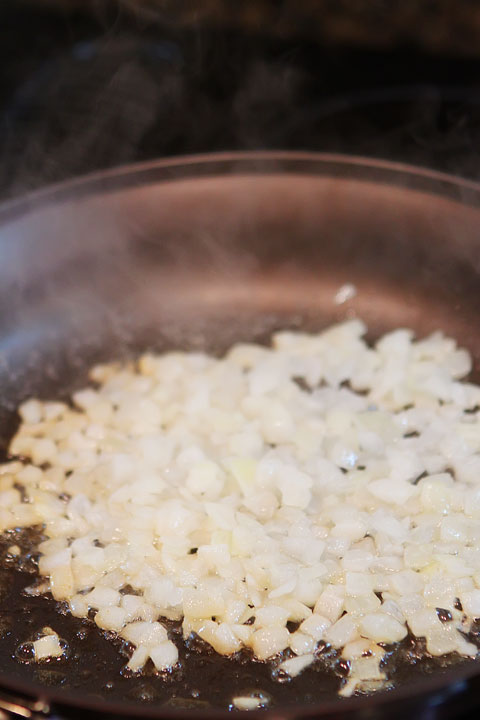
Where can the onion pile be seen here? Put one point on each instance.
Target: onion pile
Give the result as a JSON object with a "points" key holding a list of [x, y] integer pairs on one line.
{"points": [[321, 482]]}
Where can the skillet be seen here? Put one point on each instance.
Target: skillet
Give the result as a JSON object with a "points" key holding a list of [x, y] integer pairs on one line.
{"points": [[202, 252]]}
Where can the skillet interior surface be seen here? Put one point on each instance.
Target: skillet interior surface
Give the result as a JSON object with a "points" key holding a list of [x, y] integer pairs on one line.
{"points": [[201, 254]]}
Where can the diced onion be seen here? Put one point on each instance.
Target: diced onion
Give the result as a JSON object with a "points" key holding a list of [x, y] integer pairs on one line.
{"points": [[321, 481]]}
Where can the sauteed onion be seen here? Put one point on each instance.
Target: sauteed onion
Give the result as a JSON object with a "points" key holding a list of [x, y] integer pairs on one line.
{"points": [[319, 491]]}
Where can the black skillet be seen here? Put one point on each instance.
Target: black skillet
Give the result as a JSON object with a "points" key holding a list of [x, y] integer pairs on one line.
{"points": [[199, 253]]}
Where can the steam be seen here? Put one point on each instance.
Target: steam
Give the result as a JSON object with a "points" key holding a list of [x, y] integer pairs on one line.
{"points": [[147, 82], [268, 105], [92, 120]]}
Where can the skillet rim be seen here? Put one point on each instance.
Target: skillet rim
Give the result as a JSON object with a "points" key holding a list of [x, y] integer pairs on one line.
{"points": [[256, 161]]}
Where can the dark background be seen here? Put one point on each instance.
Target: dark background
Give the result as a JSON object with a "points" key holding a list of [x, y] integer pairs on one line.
{"points": [[90, 84]]}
